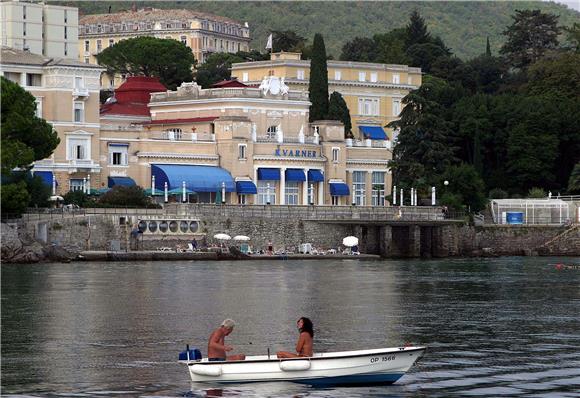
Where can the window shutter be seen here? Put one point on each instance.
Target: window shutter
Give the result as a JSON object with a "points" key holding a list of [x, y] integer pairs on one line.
{"points": [[124, 158]]}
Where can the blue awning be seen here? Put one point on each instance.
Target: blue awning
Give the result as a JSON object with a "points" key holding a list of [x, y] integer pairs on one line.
{"points": [[339, 189], [295, 175], [197, 178], [265, 173], [46, 176], [124, 181], [246, 188], [373, 132], [315, 176]]}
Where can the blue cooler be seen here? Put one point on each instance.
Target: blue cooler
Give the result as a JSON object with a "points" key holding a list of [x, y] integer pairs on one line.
{"points": [[194, 354], [514, 217]]}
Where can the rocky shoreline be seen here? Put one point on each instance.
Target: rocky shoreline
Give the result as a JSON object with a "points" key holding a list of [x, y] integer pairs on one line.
{"points": [[21, 248]]}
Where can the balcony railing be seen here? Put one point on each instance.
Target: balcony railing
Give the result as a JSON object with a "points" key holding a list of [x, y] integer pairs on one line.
{"points": [[80, 92], [182, 137]]}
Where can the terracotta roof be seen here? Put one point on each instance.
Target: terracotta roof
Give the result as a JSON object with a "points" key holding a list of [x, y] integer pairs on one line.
{"points": [[151, 15], [14, 56], [229, 83], [132, 97], [129, 109], [185, 120]]}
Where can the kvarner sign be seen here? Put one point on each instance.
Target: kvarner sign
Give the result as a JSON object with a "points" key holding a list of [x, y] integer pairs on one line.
{"points": [[295, 153]]}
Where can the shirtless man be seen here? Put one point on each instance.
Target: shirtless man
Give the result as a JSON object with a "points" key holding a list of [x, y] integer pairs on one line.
{"points": [[216, 348], [304, 345]]}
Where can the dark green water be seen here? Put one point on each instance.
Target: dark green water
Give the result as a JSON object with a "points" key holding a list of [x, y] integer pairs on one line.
{"points": [[494, 327]]}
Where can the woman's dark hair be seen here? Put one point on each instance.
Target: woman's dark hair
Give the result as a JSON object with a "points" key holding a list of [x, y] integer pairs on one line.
{"points": [[307, 326]]}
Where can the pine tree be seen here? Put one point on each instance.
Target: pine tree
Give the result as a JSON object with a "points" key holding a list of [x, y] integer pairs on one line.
{"points": [[488, 48], [417, 30], [318, 86], [337, 110]]}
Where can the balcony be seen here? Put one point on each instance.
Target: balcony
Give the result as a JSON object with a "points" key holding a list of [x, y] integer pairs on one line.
{"points": [[81, 93], [386, 144], [182, 137]]}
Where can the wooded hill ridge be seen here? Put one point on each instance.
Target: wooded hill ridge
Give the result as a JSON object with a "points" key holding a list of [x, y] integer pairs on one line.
{"points": [[463, 26]]}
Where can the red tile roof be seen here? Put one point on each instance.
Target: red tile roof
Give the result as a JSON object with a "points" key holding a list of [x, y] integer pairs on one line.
{"points": [[229, 83], [185, 120], [132, 97]]}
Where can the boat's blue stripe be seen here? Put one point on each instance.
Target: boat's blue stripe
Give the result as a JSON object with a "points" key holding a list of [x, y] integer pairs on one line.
{"points": [[361, 379]]}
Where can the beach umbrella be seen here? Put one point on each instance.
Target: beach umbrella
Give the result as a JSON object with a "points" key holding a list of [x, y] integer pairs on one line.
{"points": [[54, 198], [350, 241], [241, 238], [158, 192], [179, 191], [222, 236]]}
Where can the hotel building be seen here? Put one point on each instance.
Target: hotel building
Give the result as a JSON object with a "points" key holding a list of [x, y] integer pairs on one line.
{"points": [[45, 29], [236, 144], [67, 96], [372, 92], [203, 33]]}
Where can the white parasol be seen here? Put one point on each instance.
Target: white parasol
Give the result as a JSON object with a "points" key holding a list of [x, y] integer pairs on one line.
{"points": [[350, 241], [222, 236], [54, 198], [241, 238]]}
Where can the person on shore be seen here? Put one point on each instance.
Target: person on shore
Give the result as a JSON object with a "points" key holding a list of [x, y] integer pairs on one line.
{"points": [[217, 348], [194, 244], [270, 248], [305, 340]]}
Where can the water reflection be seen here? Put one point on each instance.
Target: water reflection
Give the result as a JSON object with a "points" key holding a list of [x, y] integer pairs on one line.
{"points": [[494, 327]]}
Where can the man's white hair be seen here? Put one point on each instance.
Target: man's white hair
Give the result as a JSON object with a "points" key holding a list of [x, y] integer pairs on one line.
{"points": [[229, 323]]}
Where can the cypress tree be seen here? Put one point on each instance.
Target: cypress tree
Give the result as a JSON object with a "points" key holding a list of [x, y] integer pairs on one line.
{"points": [[318, 85], [337, 110], [488, 48]]}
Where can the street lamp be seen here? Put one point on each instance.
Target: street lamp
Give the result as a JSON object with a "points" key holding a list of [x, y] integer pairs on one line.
{"points": [[223, 193], [268, 193]]}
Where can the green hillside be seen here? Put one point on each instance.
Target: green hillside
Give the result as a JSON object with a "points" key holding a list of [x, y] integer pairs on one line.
{"points": [[462, 25]]}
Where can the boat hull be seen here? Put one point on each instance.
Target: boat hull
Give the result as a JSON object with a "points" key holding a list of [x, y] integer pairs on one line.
{"points": [[368, 367]]}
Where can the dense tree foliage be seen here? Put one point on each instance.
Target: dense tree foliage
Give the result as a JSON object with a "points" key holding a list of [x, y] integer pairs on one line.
{"points": [[25, 138], [318, 85], [485, 127], [529, 36], [169, 60], [120, 196], [287, 40], [464, 26], [337, 110], [217, 66]]}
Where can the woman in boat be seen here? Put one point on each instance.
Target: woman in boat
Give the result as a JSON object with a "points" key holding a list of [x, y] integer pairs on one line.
{"points": [[304, 345]]}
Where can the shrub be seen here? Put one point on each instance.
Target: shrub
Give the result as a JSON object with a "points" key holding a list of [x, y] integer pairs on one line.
{"points": [[78, 198], [121, 196], [536, 193], [498, 193]]}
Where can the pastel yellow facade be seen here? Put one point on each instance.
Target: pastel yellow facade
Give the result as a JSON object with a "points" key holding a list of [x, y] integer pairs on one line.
{"points": [[373, 92], [259, 137], [67, 96], [203, 33]]}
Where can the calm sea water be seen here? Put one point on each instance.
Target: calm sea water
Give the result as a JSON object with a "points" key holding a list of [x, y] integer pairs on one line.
{"points": [[494, 327]]}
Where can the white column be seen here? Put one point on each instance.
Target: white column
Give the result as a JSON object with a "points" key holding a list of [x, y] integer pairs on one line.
{"points": [[321, 193], [89, 184], [53, 184], [433, 197], [223, 193], [256, 182], [305, 189], [183, 191], [152, 185], [401, 202], [394, 195], [166, 194], [84, 185], [282, 185]]}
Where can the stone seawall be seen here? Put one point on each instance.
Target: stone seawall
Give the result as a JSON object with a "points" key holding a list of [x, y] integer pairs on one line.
{"points": [[112, 232]]}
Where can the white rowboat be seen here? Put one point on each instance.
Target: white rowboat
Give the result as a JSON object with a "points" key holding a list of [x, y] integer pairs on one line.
{"points": [[366, 367]]}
